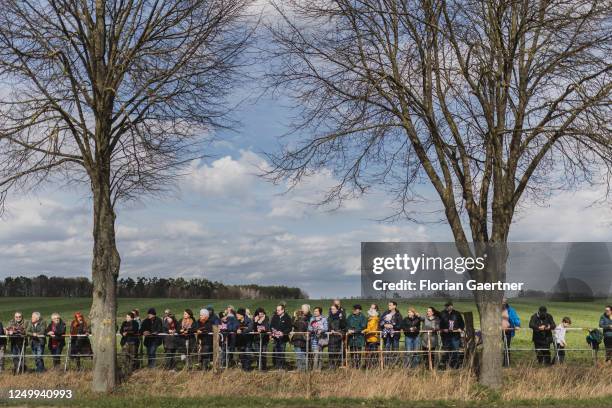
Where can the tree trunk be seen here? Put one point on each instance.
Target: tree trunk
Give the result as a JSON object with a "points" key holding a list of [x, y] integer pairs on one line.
{"points": [[489, 305], [105, 270]]}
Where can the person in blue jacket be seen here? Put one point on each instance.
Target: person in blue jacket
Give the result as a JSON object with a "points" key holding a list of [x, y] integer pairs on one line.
{"points": [[605, 322], [514, 322]]}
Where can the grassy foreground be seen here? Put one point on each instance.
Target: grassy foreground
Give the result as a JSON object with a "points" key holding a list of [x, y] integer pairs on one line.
{"points": [[533, 386]]}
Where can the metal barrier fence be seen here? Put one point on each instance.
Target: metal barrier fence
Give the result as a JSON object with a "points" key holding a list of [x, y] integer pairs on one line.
{"points": [[433, 350]]}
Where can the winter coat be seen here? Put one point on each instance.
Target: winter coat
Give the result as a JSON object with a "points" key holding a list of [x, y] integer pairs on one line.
{"points": [[245, 337], [543, 337], [59, 330], [204, 330], [129, 332], [336, 323], [36, 332], [514, 320], [317, 327], [357, 323], [153, 327], [451, 321], [263, 328], [431, 326], [281, 324], [411, 326], [18, 332], [605, 322], [371, 330], [395, 320], [79, 344], [169, 323], [300, 327]]}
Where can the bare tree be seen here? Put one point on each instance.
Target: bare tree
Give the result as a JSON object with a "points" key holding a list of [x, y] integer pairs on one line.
{"points": [[492, 101], [117, 95]]}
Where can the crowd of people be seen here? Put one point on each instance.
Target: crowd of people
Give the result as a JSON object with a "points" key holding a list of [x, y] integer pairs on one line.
{"points": [[361, 339]]}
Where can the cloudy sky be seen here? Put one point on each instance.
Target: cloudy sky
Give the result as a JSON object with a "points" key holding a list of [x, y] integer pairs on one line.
{"points": [[227, 224]]}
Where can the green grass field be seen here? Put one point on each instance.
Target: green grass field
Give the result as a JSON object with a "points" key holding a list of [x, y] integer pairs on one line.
{"points": [[583, 314]]}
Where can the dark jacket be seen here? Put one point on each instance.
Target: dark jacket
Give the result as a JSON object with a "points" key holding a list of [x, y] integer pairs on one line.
{"points": [[169, 324], [18, 330], [300, 327], [357, 323], [396, 321], [154, 327], [542, 336], [263, 328], [58, 339], [2, 339], [451, 321], [245, 337], [336, 323], [205, 330], [411, 326], [281, 324], [79, 344], [605, 323], [129, 332]]}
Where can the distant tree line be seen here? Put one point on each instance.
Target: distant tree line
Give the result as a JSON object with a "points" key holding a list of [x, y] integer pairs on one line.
{"points": [[141, 287]]}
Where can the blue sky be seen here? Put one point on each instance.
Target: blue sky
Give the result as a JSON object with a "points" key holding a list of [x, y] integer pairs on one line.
{"points": [[227, 224]]}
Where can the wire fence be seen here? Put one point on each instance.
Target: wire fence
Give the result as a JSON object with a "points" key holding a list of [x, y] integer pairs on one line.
{"points": [[295, 350]]}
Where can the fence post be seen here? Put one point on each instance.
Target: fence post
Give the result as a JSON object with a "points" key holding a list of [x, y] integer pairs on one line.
{"points": [[215, 359], [429, 349]]}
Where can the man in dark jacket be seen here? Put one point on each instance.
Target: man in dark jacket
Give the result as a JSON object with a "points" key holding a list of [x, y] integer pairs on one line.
{"points": [[356, 323], [56, 331], [150, 328], [244, 339], [542, 324], [390, 325], [130, 340], [451, 327], [205, 339], [36, 332], [280, 325]]}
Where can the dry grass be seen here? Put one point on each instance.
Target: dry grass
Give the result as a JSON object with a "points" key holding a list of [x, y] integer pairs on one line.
{"points": [[535, 384]]}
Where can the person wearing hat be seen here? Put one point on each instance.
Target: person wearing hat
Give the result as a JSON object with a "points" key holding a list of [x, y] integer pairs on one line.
{"points": [[150, 329], [244, 338], [542, 324], [356, 323], [451, 327]]}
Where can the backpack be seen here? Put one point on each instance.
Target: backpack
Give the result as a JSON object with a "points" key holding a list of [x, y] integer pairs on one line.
{"points": [[594, 338]]}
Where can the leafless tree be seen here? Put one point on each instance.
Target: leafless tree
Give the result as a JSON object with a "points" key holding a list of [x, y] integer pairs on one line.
{"points": [[117, 95], [492, 102]]}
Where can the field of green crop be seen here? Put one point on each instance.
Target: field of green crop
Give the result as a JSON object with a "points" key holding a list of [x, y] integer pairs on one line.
{"points": [[583, 314]]}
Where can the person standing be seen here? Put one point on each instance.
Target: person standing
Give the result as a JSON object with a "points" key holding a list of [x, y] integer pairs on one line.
{"points": [[372, 337], [187, 328], [129, 340], [261, 325], [16, 330], [80, 346], [317, 327], [244, 338], [429, 337], [169, 328], [559, 339], [204, 334], [2, 347], [605, 322], [542, 324], [391, 324], [336, 323], [56, 330], [411, 326], [299, 339], [356, 323], [35, 330], [280, 325], [510, 323], [150, 329], [451, 327]]}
